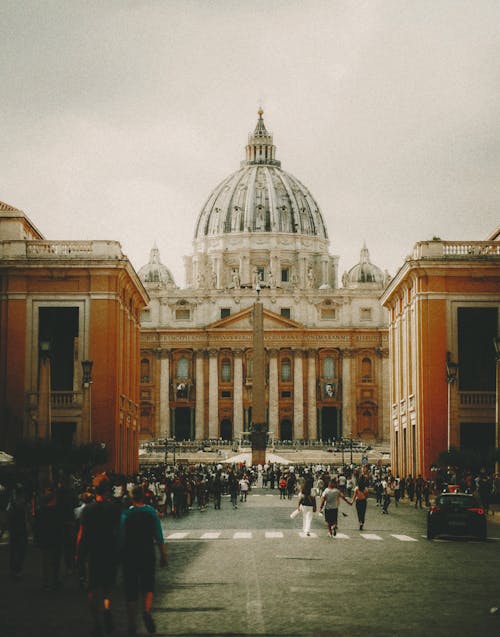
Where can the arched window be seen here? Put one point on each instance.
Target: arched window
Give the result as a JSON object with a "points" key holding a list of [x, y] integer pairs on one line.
{"points": [[328, 368], [366, 370], [225, 370], [183, 368], [286, 370], [144, 370]]}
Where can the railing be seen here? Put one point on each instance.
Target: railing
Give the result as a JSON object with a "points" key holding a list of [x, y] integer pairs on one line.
{"points": [[456, 249], [58, 399], [60, 249], [478, 399]]}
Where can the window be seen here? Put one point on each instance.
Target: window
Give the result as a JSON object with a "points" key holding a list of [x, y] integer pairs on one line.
{"points": [[260, 273], [285, 311], [365, 313], [182, 314], [328, 368], [286, 394], [144, 370], [183, 368], [286, 370], [224, 312], [328, 313], [249, 368], [366, 370], [285, 275], [146, 315], [225, 370], [225, 393]]}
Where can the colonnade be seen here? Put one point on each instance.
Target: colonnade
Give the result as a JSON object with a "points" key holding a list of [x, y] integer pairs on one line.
{"points": [[206, 415]]}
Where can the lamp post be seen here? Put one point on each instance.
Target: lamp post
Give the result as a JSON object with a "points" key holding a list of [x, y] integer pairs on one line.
{"points": [[496, 344], [451, 378], [44, 388], [86, 432]]}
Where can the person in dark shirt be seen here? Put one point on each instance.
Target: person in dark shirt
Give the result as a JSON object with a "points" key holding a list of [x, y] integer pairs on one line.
{"points": [[140, 530], [48, 533], [97, 546], [18, 531]]}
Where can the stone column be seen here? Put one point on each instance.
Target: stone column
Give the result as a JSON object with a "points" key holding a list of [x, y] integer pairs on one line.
{"points": [[298, 396], [238, 393], [273, 392], [348, 408], [324, 272], [213, 394], [200, 396], [312, 412], [384, 405], [164, 424]]}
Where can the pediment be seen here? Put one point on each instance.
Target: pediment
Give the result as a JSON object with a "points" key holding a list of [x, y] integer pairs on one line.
{"points": [[243, 320]]}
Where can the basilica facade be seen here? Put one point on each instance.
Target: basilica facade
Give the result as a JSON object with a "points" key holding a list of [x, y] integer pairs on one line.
{"points": [[261, 233]]}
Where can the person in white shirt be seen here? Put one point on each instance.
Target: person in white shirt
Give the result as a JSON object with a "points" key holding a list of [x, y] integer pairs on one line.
{"points": [[244, 487], [330, 501]]}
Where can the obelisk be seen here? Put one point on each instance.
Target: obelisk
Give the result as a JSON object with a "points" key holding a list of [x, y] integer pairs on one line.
{"points": [[259, 424]]}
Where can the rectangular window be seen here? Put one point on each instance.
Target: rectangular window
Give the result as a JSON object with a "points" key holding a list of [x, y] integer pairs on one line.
{"points": [[286, 394], [182, 314], [328, 314], [285, 311], [226, 371], [225, 393], [365, 313], [285, 275], [477, 327], [58, 326], [224, 312]]}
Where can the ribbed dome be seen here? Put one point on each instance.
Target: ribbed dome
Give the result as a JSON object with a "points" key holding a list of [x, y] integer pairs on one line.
{"points": [[260, 197], [364, 272], [155, 273]]}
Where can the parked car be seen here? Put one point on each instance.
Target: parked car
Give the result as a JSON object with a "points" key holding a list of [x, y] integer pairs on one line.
{"points": [[456, 514]]}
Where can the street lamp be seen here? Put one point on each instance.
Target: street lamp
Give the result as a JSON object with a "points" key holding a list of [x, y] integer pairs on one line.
{"points": [[451, 378], [86, 430]]}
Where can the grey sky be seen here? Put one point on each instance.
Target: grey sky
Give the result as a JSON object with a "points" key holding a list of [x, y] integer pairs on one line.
{"points": [[118, 117]]}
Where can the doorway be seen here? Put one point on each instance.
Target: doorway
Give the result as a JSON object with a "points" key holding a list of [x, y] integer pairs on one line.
{"points": [[182, 426], [286, 430], [226, 430], [330, 426]]}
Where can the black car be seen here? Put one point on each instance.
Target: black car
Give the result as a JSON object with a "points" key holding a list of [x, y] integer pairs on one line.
{"points": [[456, 514]]}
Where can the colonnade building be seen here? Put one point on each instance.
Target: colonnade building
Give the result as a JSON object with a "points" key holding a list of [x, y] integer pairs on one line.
{"points": [[261, 232]]}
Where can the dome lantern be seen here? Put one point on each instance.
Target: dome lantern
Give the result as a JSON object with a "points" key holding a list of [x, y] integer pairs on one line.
{"points": [[260, 148]]}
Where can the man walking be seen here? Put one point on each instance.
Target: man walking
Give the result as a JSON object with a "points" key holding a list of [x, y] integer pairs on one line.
{"points": [[96, 545], [330, 500], [140, 530]]}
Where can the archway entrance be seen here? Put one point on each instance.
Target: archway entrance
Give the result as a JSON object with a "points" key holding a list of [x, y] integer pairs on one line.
{"points": [[286, 430], [330, 427], [226, 429], [182, 426]]}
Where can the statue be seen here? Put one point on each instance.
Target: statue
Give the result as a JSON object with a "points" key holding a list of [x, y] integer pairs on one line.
{"points": [[311, 278], [271, 281], [236, 280]]}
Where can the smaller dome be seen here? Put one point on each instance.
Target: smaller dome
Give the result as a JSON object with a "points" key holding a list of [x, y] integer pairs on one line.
{"points": [[154, 273], [364, 272]]}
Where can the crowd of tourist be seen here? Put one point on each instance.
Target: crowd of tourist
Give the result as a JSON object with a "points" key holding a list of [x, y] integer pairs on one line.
{"points": [[56, 515]]}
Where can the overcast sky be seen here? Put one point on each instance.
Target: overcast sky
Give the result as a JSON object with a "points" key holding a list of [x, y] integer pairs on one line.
{"points": [[119, 117]]}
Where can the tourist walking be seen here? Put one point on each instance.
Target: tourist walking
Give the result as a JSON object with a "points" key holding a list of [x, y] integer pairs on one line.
{"points": [[307, 504], [48, 534], [360, 496], [140, 530], [330, 500], [97, 552]]}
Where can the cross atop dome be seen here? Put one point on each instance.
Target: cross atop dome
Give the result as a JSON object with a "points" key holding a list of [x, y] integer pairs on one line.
{"points": [[260, 148]]}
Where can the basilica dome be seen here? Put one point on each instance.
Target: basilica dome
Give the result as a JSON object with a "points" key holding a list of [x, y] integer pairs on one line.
{"points": [[154, 273], [364, 272], [260, 197]]}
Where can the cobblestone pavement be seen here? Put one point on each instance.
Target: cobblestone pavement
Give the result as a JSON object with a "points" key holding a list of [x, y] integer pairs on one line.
{"points": [[251, 571]]}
